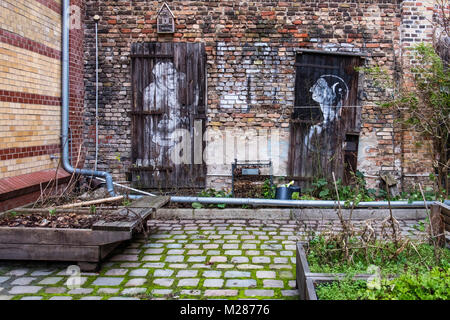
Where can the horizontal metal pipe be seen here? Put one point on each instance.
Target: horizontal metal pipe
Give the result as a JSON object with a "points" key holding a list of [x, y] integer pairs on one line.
{"points": [[134, 196], [298, 203], [129, 188]]}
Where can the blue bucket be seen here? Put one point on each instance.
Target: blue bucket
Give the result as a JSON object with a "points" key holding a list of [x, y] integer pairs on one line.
{"points": [[285, 193]]}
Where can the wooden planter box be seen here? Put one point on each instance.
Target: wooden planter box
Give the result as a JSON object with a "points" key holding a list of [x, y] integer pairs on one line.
{"points": [[306, 279], [87, 247], [440, 219]]}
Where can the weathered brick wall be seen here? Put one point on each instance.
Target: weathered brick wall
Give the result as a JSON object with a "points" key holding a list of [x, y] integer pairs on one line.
{"points": [[76, 84], [251, 49], [417, 26]]}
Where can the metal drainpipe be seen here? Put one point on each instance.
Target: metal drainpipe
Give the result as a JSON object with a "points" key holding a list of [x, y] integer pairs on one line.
{"points": [[299, 203], [96, 20], [65, 107]]}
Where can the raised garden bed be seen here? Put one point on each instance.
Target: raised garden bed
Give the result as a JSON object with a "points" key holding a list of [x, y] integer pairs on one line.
{"points": [[63, 235], [353, 285], [306, 280]]}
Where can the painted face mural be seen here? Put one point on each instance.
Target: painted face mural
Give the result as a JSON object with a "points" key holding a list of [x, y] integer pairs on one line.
{"points": [[330, 92], [162, 95]]}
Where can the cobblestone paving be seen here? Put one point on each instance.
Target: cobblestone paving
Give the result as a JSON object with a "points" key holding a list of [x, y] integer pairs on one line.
{"points": [[182, 259]]}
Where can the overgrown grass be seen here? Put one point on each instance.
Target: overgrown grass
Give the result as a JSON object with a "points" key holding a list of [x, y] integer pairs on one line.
{"points": [[415, 258], [416, 273]]}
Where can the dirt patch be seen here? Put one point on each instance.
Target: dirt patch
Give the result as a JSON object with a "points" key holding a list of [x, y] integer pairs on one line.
{"points": [[60, 220], [248, 186]]}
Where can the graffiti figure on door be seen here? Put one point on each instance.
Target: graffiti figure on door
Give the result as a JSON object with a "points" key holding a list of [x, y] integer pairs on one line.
{"points": [[331, 92], [163, 95]]}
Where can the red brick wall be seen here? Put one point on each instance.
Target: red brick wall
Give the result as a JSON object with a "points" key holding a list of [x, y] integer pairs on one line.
{"points": [[76, 85]]}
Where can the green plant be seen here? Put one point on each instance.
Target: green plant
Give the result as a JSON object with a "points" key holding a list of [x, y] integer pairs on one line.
{"points": [[52, 211], [212, 193], [423, 106], [325, 254], [355, 192], [126, 202], [197, 205], [13, 213], [268, 190], [346, 289], [93, 209], [430, 285]]}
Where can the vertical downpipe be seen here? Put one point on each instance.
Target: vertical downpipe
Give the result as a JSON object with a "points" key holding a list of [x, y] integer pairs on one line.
{"points": [[96, 19]]}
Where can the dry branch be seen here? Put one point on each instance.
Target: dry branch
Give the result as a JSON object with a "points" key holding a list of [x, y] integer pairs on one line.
{"points": [[92, 202]]}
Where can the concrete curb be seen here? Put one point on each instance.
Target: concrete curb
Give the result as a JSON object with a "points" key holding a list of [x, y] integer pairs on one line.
{"points": [[287, 214]]}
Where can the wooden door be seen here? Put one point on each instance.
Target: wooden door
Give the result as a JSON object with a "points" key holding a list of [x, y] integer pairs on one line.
{"points": [[168, 114], [326, 117]]}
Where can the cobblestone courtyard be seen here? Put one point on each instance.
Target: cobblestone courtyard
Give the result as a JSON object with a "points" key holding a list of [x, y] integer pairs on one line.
{"points": [[182, 259]]}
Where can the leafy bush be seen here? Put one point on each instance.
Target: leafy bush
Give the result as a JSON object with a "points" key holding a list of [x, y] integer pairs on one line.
{"points": [[423, 107], [346, 289], [296, 196], [211, 193], [325, 255], [431, 285], [418, 275], [268, 190], [325, 190]]}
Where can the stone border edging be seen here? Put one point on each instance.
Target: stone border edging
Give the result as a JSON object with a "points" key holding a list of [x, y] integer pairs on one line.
{"points": [[287, 214]]}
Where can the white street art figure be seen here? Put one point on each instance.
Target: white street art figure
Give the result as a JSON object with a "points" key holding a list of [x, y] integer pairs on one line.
{"points": [[331, 92], [163, 91]]}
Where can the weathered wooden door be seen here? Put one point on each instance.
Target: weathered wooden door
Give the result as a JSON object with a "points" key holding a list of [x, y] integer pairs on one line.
{"points": [[168, 115], [326, 118]]}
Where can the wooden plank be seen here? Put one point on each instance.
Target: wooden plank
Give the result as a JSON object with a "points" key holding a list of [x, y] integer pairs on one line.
{"points": [[446, 222], [106, 249], [305, 286], [310, 290], [145, 113], [51, 236], [150, 202], [437, 224], [128, 226], [49, 252], [89, 203], [151, 56], [444, 211]]}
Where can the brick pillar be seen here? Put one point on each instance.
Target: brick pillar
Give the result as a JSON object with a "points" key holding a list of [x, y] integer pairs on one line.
{"points": [[416, 27], [76, 82]]}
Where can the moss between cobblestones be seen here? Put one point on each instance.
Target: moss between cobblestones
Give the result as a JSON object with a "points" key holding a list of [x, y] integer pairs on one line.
{"points": [[189, 238]]}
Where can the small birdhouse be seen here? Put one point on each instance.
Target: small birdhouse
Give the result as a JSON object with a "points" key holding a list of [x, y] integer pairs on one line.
{"points": [[165, 20]]}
